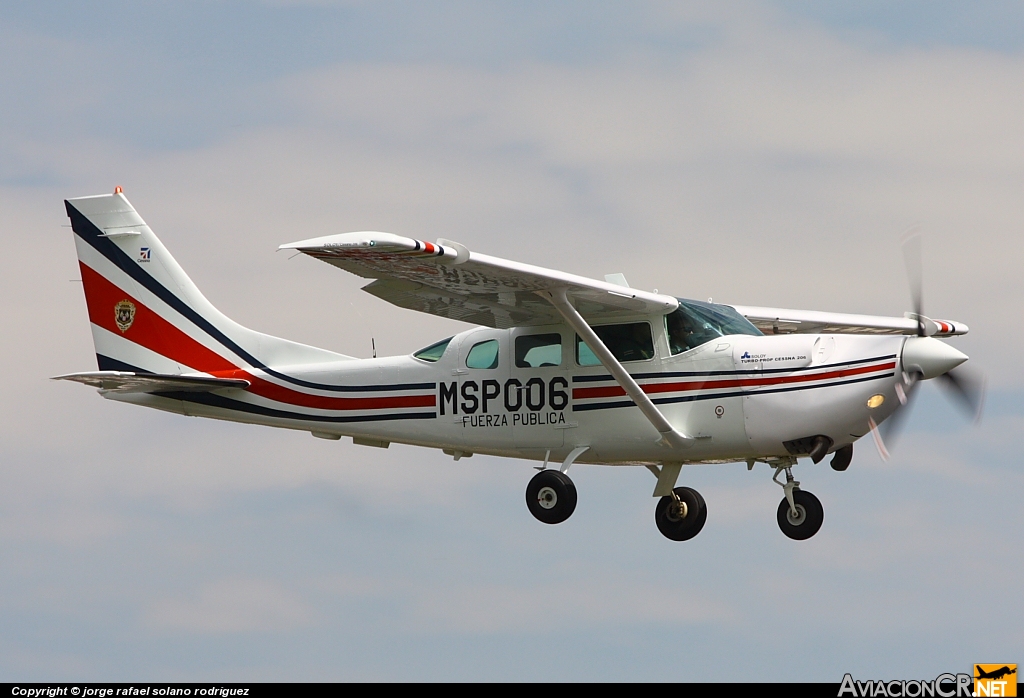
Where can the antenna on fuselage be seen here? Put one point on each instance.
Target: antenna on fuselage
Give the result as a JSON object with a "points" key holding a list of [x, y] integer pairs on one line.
{"points": [[374, 345]]}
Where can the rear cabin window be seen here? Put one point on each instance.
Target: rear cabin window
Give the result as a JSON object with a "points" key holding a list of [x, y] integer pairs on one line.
{"points": [[694, 323], [538, 350], [483, 355], [434, 352], [630, 342]]}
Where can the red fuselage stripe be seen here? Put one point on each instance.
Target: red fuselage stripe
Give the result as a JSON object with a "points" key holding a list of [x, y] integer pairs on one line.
{"points": [[153, 332], [717, 384]]}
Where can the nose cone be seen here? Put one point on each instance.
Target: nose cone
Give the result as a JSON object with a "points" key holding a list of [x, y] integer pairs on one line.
{"points": [[931, 356]]}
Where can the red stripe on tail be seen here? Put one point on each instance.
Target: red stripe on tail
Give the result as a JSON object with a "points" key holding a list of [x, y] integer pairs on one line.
{"points": [[147, 328], [151, 331]]}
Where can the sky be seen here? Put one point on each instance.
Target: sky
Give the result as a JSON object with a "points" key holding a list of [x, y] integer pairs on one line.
{"points": [[760, 153]]}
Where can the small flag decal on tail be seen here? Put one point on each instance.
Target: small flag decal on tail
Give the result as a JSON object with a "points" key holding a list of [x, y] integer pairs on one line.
{"points": [[124, 314]]}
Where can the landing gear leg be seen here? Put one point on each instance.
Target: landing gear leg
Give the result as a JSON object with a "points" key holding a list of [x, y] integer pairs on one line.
{"points": [[551, 496], [800, 513], [681, 515]]}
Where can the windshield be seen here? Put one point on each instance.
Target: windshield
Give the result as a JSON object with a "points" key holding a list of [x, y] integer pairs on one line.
{"points": [[694, 323]]}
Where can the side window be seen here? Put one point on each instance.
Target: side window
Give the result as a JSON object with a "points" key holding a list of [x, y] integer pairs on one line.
{"points": [[483, 355], [631, 342], [434, 352], [536, 350]]}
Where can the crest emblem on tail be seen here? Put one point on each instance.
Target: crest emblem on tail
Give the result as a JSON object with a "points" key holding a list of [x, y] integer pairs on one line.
{"points": [[124, 314]]}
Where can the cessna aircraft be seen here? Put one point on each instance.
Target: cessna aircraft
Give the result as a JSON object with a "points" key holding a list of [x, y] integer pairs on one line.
{"points": [[557, 369]]}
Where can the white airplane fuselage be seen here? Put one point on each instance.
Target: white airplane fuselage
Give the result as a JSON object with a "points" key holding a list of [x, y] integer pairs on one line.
{"points": [[739, 397]]}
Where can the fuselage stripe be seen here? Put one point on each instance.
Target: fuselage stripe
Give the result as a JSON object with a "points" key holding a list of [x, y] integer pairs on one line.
{"points": [[720, 396], [655, 388], [697, 374], [148, 329], [219, 401]]}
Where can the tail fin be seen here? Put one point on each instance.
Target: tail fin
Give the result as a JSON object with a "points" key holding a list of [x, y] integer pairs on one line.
{"points": [[147, 316]]}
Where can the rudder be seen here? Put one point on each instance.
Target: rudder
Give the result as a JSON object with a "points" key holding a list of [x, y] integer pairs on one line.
{"points": [[146, 313]]}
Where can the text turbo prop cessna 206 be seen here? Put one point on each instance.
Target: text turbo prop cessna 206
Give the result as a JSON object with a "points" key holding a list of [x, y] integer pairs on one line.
{"points": [[559, 368]]}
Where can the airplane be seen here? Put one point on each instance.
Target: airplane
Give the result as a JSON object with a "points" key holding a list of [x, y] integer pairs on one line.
{"points": [[996, 674], [557, 368]]}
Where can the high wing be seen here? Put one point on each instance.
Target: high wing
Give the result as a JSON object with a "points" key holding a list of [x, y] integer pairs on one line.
{"points": [[448, 280], [128, 382], [787, 321]]}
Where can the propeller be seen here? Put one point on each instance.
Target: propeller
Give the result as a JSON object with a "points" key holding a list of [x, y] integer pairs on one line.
{"points": [[915, 274], [965, 387], [891, 428]]}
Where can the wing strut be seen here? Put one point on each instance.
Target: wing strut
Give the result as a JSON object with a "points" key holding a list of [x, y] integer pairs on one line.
{"points": [[669, 436]]}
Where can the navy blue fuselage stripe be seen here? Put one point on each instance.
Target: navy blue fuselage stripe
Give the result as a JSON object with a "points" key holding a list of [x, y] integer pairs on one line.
{"points": [[219, 401], [86, 230], [695, 374], [719, 396], [108, 364]]}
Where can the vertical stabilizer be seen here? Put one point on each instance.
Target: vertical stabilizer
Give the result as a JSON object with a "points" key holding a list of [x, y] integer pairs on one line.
{"points": [[147, 315]]}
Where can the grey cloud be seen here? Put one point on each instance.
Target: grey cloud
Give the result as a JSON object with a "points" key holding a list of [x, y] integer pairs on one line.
{"points": [[231, 606]]}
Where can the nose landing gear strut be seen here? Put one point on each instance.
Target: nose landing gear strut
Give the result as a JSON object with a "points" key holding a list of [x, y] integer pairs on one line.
{"points": [[800, 513]]}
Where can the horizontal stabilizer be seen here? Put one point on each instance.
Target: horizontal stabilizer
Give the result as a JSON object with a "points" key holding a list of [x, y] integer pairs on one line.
{"points": [[128, 382]]}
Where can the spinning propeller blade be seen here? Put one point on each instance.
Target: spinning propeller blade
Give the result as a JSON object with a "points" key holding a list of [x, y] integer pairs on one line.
{"points": [[883, 452], [890, 429], [966, 387], [915, 275]]}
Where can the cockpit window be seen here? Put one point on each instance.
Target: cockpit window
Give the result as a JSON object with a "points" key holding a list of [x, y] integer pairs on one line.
{"points": [[694, 323], [434, 352], [630, 342]]}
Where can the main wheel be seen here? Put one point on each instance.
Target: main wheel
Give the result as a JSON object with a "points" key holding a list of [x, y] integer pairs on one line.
{"points": [[684, 520], [551, 496], [807, 519]]}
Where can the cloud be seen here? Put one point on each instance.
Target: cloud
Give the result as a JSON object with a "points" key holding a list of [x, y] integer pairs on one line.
{"points": [[479, 607], [231, 606], [515, 608], [776, 156], [738, 153]]}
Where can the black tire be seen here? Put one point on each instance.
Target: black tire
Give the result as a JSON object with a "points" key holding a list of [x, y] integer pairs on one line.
{"points": [[551, 496], [809, 519], [674, 527]]}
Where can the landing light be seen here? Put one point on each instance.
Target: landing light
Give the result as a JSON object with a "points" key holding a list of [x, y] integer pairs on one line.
{"points": [[875, 400]]}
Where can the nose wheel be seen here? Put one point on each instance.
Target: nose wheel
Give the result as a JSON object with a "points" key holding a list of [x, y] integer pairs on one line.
{"points": [[551, 496], [681, 515], [804, 518], [800, 513]]}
